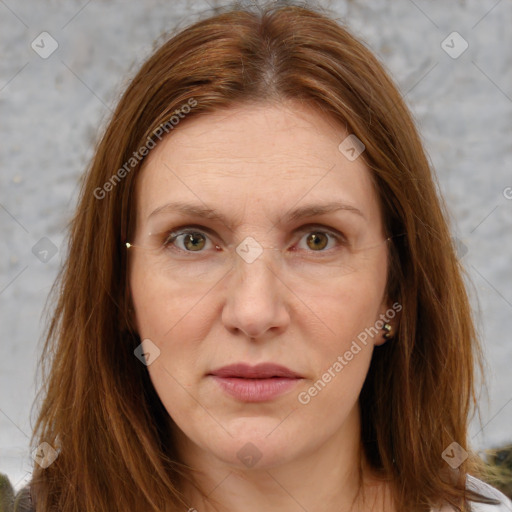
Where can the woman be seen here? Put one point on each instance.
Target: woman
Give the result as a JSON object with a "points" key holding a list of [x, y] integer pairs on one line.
{"points": [[261, 305]]}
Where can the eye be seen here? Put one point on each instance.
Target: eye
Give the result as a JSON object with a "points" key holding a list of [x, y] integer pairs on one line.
{"points": [[187, 240], [194, 240], [318, 239]]}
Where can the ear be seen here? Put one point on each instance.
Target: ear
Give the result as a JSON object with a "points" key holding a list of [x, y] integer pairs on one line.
{"points": [[387, 322]]}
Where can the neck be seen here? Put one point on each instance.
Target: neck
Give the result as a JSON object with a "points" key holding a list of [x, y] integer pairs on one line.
{"points": [[331, 477]]}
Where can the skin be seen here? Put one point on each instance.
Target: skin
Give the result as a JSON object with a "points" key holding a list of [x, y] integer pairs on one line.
{"points": [[205, 310]]}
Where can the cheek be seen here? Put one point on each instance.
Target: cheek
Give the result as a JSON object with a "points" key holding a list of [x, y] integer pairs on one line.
{"points": [[176, 317], [341, 350], [164, 314], [344, 307], [161, 304], [341, 345]]}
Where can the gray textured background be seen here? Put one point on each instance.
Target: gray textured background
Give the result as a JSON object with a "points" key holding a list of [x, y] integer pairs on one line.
{"points": [[51, 111]]}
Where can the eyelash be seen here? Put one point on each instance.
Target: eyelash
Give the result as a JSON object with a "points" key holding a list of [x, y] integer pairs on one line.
{"points": [[173, 235]]}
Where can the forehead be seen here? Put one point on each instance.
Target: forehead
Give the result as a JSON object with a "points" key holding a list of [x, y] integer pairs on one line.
{"points": [[252, 158]]}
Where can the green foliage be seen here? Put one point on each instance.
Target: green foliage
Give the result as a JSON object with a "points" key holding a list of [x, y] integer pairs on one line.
{"points": [[499, 469], [6, 494], [11, 502]]}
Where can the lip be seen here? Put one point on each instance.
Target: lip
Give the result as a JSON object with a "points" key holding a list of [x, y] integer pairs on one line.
{"points": [[259, 371], [259, 383]]}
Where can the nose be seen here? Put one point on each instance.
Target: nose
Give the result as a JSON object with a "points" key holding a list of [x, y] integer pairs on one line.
{"points": [[256, 298]]}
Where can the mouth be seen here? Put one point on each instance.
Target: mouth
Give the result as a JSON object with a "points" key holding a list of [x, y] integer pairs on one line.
{"points": [[260, 371], [260, 383]]}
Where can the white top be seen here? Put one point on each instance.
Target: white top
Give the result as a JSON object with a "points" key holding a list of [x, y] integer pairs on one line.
{"points": [[487, 490]]}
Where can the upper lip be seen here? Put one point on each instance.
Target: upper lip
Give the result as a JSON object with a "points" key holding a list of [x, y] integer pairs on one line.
{"points": [[259, 371]]}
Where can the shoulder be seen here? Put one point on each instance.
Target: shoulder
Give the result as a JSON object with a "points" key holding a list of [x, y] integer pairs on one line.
{"points": [[475, 484]]}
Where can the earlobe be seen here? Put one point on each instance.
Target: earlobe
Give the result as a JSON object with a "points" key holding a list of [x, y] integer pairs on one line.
{"points": [[388, 331], [389, 323]]}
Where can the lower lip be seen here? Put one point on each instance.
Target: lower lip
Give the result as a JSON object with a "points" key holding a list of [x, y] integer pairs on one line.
{"points": [[256, 390]]}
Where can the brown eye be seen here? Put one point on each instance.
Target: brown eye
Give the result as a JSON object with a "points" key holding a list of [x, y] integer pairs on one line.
{"points": [[317, 240]]}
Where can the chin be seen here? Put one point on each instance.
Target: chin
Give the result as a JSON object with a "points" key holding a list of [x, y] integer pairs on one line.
{"points": [[256, 443]]}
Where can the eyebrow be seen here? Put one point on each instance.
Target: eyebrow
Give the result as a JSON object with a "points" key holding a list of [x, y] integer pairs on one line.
{"points": [[291, 216]]}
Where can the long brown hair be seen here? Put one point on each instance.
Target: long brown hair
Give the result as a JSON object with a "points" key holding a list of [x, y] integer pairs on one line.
{"points": [[100, 410]]}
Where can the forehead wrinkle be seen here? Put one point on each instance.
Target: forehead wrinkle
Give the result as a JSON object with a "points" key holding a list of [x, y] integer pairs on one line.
{"points": [[302, 212], [233, 166]]}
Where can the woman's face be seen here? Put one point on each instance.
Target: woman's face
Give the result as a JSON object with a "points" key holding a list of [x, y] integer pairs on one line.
{"points": [[262, 278]]}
